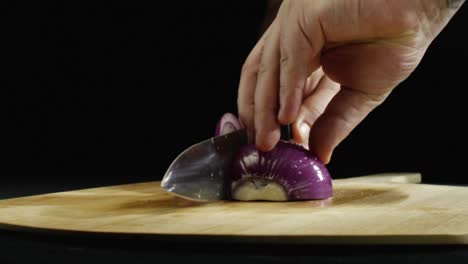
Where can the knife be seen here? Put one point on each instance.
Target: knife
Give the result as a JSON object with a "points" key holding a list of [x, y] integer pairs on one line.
{"points": [[201, 172]]}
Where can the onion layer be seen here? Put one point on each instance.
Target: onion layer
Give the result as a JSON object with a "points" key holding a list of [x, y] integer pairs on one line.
{"points": [[227, 124]]}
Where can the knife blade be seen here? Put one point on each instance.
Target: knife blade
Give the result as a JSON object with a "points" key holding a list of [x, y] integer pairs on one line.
{"points": [[201, 172]]}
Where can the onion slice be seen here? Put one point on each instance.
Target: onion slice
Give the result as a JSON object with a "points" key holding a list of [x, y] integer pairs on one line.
{"points": [[227, 124]]}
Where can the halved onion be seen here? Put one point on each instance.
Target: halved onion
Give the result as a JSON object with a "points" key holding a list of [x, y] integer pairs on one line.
{"points": [[289, 172]]}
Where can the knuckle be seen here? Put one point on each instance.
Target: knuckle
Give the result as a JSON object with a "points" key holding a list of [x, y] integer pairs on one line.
{"points": [[245, 106], [315, 111], [262, 69], [246, 109], [246, 120], [287, 89], [334, 87], [249, 67], [265, 110], [345, 122], [284, 60], [283, 89]]}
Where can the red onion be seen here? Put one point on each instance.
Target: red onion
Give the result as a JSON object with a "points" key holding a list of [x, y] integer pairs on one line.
{"points": [[289, 172], [227, 124]]}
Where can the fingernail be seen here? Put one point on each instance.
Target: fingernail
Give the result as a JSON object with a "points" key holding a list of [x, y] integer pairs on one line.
{"points": [[328, 158], [304, 130]]}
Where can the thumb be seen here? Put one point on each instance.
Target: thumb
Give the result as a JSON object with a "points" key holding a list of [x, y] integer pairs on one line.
{"points": [[347, 109], [312, 107]]}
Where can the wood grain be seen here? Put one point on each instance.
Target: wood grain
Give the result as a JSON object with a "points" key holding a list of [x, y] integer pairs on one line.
{"points": [[377, 209]]}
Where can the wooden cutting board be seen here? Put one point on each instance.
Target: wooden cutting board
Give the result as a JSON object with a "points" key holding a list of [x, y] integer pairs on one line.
{"points": [[383, 209]]}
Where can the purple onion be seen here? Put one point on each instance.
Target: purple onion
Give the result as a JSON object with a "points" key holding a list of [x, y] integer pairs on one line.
{"points": [[227, 124], [289, 172]]}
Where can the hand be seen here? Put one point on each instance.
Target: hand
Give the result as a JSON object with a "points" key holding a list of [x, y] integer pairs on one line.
{"points": [[324, 65]]}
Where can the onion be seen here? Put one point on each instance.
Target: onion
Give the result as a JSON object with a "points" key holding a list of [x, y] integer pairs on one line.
{"points": [[289, 172], [227, 124]]}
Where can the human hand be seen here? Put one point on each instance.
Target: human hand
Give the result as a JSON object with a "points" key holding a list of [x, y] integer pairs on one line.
{"points": [[324, 65]]}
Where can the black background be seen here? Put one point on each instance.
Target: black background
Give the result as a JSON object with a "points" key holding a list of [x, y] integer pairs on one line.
{"points": [[113, 92]]}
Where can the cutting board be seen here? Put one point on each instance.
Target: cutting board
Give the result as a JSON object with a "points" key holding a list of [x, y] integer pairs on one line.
{"points": [[378, 209]]}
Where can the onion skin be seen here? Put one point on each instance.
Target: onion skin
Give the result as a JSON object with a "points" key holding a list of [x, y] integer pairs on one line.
{"points": [[301, 174]]}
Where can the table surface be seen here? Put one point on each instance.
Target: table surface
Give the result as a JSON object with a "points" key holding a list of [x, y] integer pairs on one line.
{"points": [[24, 247]]}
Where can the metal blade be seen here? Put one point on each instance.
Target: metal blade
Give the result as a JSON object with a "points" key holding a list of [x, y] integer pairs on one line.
{"points": [[201, 172]]}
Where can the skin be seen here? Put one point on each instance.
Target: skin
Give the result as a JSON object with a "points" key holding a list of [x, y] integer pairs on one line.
{"points": [[324, 65]]}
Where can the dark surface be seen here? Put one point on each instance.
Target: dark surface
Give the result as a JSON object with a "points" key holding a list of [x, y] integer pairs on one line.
{"points": [[19, 247], [153, 252], [103, 94], [118, 90]]}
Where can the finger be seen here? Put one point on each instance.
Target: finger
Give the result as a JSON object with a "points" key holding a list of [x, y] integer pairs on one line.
{"points": [[247, 84], [313, 81], [266, 93], [300, 56], [300, 131], [312, 108], [346, 110]]}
